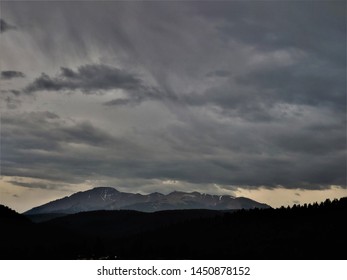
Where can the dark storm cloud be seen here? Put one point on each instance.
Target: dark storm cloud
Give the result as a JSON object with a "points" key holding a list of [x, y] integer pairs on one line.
{"points": [[88, 78], [136, 97], [254, 94], [8, 75], [93, 79], [38, 146], [4, 26]]}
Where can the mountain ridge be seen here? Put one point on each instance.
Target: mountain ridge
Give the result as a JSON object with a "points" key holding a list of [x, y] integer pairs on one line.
{"points": [[109, 198]]}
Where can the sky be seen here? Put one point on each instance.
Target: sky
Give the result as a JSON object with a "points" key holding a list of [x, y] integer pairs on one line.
{"points": [[245, 98]]}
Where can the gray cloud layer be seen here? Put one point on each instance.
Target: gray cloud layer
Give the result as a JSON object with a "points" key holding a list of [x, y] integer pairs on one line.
{"points": [[231, 93], [42, 145]]}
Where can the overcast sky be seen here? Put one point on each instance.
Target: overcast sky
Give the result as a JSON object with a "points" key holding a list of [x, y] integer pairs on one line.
{"points": [[243, 98]]}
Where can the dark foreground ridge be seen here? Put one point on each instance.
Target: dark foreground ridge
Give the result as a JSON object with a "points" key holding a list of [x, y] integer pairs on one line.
{"points": [[302, 232]]}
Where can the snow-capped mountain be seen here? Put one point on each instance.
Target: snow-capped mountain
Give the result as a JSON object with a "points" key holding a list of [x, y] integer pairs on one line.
{"points": [[108, 198]]}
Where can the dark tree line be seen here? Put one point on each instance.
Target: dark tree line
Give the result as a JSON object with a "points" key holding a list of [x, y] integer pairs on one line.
{"points": [[309, 231]]}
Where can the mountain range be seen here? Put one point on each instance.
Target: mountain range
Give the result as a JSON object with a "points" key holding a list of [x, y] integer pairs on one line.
{"points": [[108, 198]]}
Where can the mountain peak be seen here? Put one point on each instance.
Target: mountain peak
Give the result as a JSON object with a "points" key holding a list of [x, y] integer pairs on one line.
{"points": [[108, 198]]}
